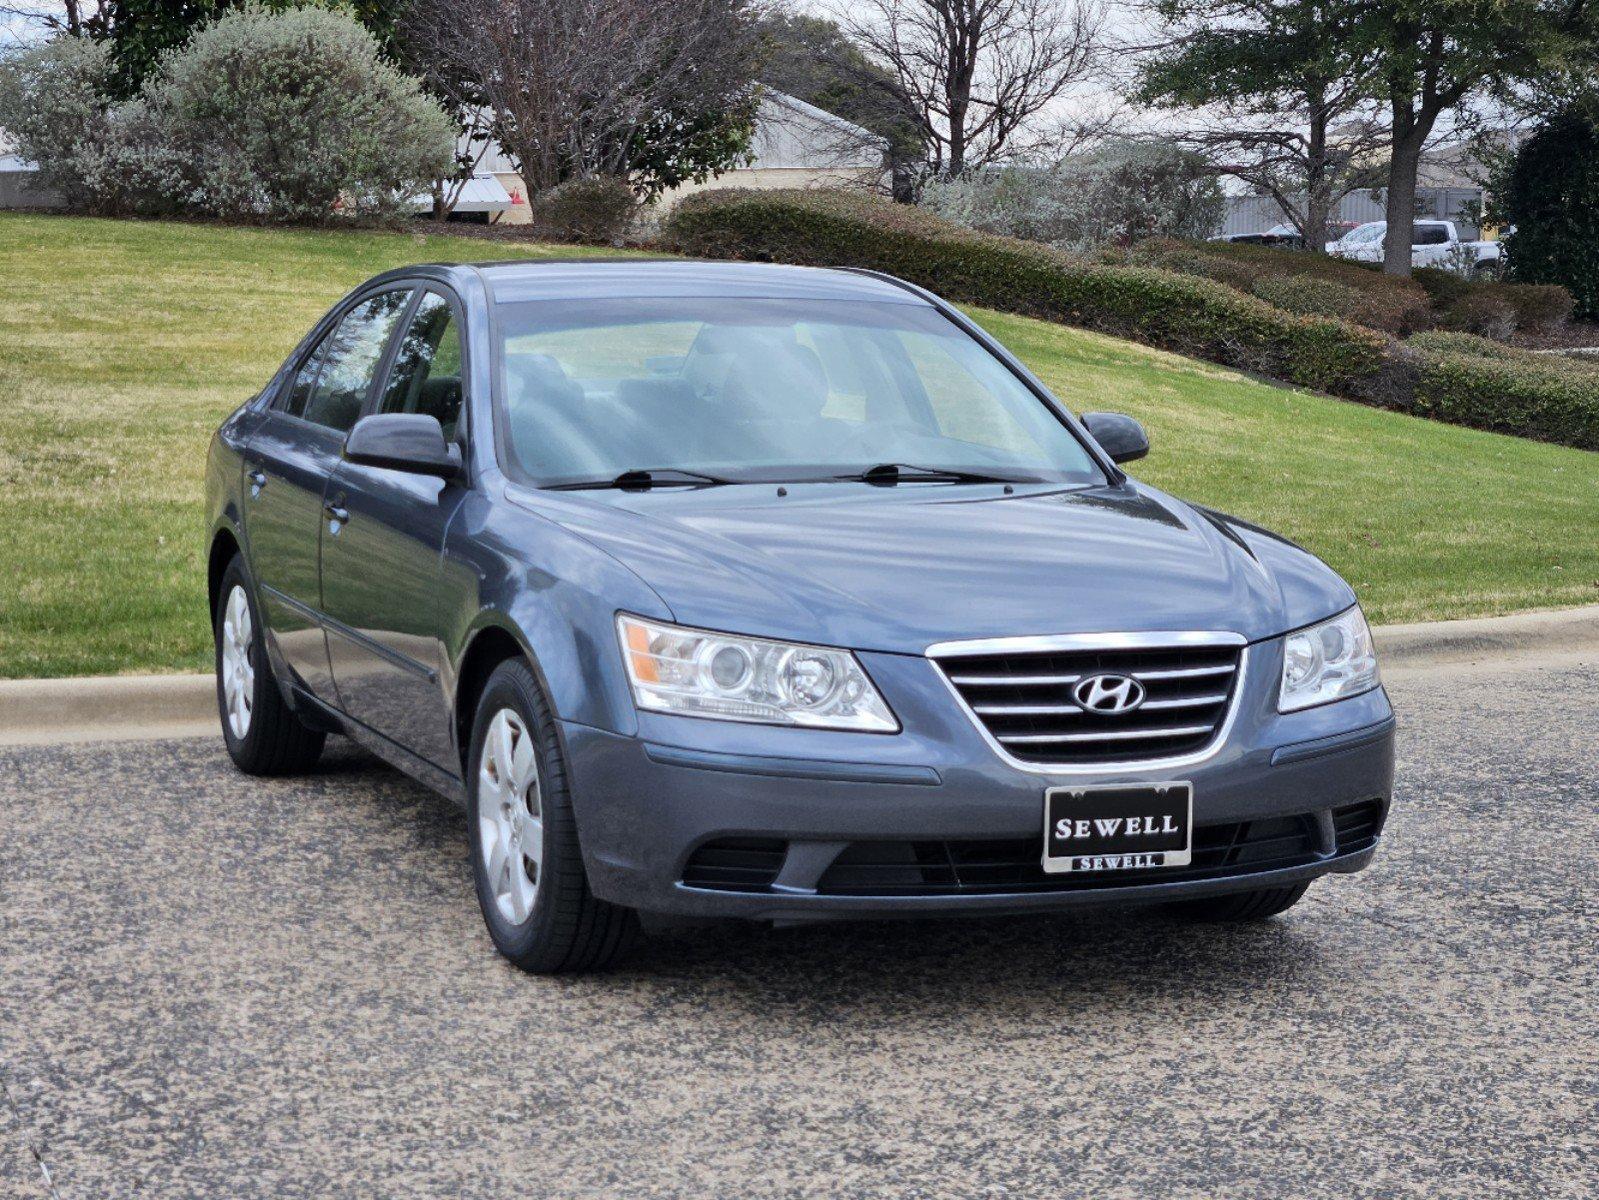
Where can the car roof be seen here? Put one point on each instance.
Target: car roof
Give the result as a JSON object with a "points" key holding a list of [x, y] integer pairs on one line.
{"points": [[590, 279]]}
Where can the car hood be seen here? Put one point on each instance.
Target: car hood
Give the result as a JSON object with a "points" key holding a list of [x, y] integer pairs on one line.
{"points": [[902, 567]]}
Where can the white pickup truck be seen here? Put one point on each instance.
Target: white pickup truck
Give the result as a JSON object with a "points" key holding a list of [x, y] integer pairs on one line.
{"points": [[1432, 244]]}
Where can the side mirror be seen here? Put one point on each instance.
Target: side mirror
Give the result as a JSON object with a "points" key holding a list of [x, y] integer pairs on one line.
{"points": [[1119, 436], [403, 442]]}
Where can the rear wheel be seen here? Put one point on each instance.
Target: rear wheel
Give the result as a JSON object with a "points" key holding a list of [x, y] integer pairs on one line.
{"points": [[263, 735], [526, 862], [1242, 906]]}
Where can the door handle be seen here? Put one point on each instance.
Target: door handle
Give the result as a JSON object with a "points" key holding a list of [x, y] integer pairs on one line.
{"points": [[258, 480], [336, 511]]}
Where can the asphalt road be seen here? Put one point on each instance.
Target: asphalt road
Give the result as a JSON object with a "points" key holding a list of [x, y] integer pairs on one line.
{"points": [[214, 987]]}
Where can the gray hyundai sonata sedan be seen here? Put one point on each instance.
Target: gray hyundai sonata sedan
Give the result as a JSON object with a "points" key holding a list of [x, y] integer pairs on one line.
{"points": [[735, 590]]}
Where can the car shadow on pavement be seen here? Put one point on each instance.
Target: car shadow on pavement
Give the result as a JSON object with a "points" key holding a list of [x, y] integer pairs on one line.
{"points": [[1086, 957]]}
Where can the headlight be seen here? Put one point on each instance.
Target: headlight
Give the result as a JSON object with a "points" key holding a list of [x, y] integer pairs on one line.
{"points": [[1328, 662], [733, 678]]}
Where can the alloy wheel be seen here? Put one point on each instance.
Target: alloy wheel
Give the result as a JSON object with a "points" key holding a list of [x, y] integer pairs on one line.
{"points": [[510, 815], [238, 671]]}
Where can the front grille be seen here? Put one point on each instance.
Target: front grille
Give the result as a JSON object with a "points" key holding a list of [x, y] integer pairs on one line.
{"points": [[1025, 701], [974, 868]]}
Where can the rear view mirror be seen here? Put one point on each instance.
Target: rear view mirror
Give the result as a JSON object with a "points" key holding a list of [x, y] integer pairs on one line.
{"points": [[403, 442], [1119, 436]]}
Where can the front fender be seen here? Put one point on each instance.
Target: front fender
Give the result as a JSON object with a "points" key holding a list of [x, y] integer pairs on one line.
{"points": [[556, 594]]}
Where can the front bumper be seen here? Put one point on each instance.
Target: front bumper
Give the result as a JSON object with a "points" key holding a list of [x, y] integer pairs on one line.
{"points": [[821, 825]]}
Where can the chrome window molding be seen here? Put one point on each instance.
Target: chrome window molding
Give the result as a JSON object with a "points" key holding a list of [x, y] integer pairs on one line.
{"points": [[940, 652]]}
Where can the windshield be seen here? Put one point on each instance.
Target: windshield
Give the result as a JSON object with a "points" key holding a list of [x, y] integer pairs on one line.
{"points": [[1368, 233], [764, 389]]}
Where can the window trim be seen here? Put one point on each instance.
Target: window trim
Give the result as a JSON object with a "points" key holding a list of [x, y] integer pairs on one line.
{"points": [[328, 326], [463, 425]]}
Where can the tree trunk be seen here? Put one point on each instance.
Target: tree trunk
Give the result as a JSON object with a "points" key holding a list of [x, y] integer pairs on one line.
{"points": [[1318, 201], [1403, 162]]}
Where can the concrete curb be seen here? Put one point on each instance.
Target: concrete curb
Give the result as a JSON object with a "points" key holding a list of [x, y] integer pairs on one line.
{"points": [[1436, 643], [138, 707], [107, 708]]}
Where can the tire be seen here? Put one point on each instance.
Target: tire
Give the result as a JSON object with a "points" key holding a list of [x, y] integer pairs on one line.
{"points": [[1242, 906], [526, 862], [263, 734]]}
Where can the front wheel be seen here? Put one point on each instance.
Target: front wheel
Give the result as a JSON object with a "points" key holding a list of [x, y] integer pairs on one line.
{"points": [[1241, 906], [526, 862], [263, 734]]}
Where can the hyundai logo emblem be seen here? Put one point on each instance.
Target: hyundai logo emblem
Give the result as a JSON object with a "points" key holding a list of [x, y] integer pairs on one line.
{"points": [[1109, 694]]}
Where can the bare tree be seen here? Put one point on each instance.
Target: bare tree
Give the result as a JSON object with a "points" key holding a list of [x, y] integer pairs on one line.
{"points": [[653, 92], [981, 73], [79, 18], [1305, 158]]}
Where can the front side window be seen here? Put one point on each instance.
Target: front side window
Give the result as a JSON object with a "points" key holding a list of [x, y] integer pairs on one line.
{"points": [[1430, 235], [765, 389], [426, 376], [349, 359]]}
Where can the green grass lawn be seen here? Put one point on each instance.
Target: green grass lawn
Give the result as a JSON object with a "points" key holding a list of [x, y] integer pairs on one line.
{"points": [[125, 343]]}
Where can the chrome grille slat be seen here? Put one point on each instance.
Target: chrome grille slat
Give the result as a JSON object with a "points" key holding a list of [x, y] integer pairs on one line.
{"points": [[1185, 673], [1052, 680], [1042, 710], [1120, 735], [1023, 697]]}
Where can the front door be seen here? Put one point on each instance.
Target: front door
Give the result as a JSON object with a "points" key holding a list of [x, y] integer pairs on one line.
{"points": [[381, 555], [288, 462]]}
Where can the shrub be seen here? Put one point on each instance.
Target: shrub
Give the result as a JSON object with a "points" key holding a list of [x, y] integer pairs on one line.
{"points": [[1448, 342], [1538, 306], [1511, 391], [1300, 282], [1493, 308], [1160, 308], [596, 209], [1549, 199], [1482, 310], [1118, 194], [1236, 275], [1443, 287], [289, 116], [52, 102], [1536, 396]]}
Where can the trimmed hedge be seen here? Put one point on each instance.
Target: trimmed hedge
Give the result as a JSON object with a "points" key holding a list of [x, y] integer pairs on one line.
{"points": [[1538, 396], [1161, 308], [596, 210], [1451, 342], [1444, 376], [1303, 283], [1491, 307]]}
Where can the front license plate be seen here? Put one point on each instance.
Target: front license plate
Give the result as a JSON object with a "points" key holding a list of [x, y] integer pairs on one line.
{"points": [[1121, 827]]}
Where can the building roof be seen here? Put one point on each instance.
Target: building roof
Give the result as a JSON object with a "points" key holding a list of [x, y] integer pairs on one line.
{"points": [[789, 133]]}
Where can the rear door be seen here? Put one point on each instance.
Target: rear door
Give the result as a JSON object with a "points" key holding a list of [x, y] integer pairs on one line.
{"points": [[288, 462], [382, 552]]}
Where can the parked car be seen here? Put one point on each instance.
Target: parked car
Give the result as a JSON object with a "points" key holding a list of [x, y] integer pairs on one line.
{"points": [[1433, 244], [1285, 237], [736, 590]]}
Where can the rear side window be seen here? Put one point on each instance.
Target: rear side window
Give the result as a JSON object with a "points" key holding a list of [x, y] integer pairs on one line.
{"points": [[1431, 235], [347, 360], [426, 377]]}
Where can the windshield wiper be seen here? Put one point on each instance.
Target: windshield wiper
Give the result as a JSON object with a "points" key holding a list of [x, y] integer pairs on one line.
{"points": [[895, 472], [642, 479]]}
